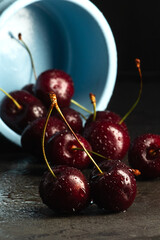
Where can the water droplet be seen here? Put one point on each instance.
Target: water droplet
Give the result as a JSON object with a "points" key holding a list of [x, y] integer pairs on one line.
{"points": [[91, 202]]}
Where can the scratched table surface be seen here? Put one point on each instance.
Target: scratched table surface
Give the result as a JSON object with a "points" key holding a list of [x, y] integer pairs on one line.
{"points": [[23, 216]]}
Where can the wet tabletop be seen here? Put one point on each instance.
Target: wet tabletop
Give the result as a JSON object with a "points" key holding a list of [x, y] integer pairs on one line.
{"points": [[24, 216]]}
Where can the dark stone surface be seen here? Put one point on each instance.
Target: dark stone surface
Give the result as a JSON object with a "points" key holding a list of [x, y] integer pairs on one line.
{"points": [[23, 215]]}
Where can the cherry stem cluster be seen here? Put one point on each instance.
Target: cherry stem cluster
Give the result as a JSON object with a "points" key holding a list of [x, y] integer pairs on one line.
{"points": [[54, 103], [14, 100], [137, 61]]}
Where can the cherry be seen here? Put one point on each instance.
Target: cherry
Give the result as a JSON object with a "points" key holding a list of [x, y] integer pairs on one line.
{"points": [[109, 139], [115, 189], [60, 150], [56, 81], [68, 192], [73, 118], [29, 88], [106, 115], [32, 134], [144, 154], [18, 117], [103, 115], [100, 116]]}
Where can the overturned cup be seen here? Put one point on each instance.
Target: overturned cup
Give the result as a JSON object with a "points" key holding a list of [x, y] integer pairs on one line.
{"points": [[71, 35]]}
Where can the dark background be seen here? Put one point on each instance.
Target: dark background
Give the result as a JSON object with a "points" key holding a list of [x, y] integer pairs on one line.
{"points": [[136, 29]]}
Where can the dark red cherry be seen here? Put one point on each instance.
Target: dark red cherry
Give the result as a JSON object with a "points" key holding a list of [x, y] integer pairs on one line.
{"points": [[109, 139], [144, 154], [32, 134], [29, 88], [73, 118], [67, 193], [106, 115], [60, 150], [56, 81], [17, 119], [115, 189]]}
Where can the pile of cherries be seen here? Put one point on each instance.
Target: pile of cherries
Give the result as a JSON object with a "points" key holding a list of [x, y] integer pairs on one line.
{"points": [[50, 129]]}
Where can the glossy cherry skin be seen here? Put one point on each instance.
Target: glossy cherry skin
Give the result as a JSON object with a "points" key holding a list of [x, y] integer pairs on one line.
{"points": [[68, 193], [144, 155], [18, 119], [115, 189], [73, 118], [32, 134], [109, 139], [29, 88], [88, 129], [60, 152], [56, 81], [106, 115]]}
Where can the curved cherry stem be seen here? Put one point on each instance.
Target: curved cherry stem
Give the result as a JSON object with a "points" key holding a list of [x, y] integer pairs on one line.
{"points": [[14, 101], [43, 139], [30, 54], [137, 61], [93, 101], [54, 101], [85, 118]]}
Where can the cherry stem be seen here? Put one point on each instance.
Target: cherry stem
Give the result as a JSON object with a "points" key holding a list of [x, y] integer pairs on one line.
{"points": [[54, 99], [136, 172], [137, 61], [14, 100], [95, 153], [83, 116], [153, 152], [93, 101], [43, 139], [80, 106], [29, 52]]}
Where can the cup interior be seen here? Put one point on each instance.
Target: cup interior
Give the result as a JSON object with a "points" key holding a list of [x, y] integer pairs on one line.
{"points": [[71, 35]]}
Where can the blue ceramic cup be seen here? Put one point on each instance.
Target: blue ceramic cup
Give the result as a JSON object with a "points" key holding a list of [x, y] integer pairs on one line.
{"points": [[72, 35]]}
